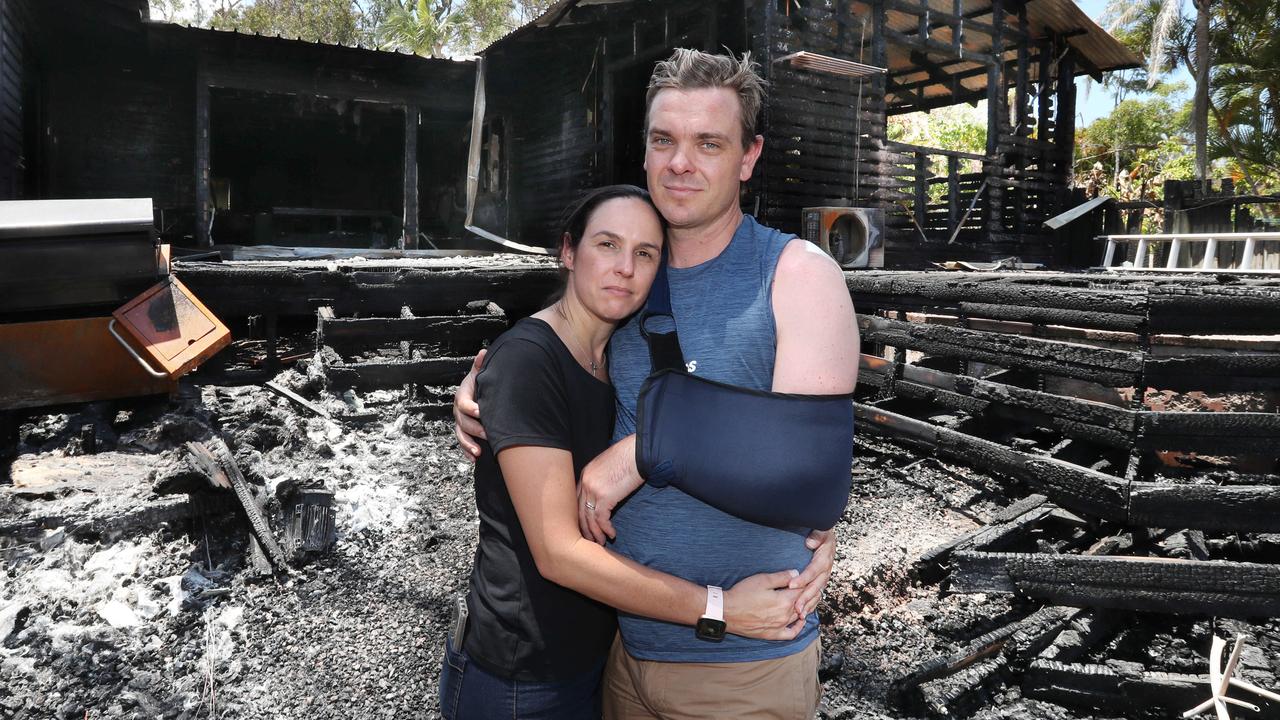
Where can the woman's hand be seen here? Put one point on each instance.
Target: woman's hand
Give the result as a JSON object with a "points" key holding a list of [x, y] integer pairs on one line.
{"points": [[606, 481], [763, 607], [466, 412], [814, 579]]}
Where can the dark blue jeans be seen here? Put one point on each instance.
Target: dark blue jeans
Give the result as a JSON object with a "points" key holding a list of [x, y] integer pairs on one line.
{"points": [[468, 692]]}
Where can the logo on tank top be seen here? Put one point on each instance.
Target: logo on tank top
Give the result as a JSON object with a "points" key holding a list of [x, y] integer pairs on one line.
{"points": [[691, 366]]}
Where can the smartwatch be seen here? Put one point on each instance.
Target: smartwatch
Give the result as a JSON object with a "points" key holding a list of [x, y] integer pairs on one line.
{"points": [[711, 625]]}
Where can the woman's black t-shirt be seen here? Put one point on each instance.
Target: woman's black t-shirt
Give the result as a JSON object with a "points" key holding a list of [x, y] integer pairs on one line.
{"points": [[532, 391]]}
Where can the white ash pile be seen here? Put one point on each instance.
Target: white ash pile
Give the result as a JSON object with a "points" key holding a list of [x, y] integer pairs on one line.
{"points": [[115, 616]]}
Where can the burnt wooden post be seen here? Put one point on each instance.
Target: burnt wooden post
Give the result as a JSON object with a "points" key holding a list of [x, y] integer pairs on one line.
{"points": [[953, 192], [922, 189], [879, 86], [409, 233], [1064, 133], [996, 117], [1021, 116], [204, 204]]}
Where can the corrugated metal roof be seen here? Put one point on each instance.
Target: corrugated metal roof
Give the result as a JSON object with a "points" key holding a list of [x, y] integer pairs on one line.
{"points": [[287, 39], [1044, 17]]}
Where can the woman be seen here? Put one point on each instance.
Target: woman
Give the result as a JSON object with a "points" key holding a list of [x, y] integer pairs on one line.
{"points": [[540, 606]]}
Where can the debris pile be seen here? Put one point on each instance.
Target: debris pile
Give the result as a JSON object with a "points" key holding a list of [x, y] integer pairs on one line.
{"points": [[290, 546]]}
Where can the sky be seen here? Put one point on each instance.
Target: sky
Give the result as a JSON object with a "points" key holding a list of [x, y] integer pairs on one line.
{"points": [[1092, 100]]}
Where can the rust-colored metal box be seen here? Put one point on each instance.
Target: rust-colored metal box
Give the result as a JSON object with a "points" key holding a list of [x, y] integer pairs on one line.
{"points": [[53, 362], [171, 329]]}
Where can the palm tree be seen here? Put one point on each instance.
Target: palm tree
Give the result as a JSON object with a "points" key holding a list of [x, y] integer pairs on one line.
{"points": [[1166, 23], [434, 27], [1245, 102], [420, 27]]}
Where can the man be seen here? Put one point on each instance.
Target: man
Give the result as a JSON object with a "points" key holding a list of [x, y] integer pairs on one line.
{"points": [[753, 308]]}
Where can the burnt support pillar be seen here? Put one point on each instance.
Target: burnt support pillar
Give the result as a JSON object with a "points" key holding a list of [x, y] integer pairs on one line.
{"points": [[997, 117], [204, 203], [1064, 134], [409, 233]]}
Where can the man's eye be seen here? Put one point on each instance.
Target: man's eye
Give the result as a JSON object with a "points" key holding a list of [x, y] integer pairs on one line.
{"points": [[710, 146]]}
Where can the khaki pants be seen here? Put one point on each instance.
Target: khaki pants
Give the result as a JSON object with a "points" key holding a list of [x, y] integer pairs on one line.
{"points": [[782, 689]]}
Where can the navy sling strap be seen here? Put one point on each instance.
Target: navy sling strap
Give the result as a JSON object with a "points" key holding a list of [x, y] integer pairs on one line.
{"points": [[776, 459]]}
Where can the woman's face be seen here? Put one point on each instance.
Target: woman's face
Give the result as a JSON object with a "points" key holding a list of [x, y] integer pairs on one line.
{"points": [[614, 264]]}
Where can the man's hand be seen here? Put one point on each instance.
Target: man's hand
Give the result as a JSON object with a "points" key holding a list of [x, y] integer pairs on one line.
{"points": [[466, 412], [763, 607], [606, 481], [816, 574]]}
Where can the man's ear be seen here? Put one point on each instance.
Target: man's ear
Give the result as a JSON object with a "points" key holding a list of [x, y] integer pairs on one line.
{"points": [[566, 251], [750, 157]]}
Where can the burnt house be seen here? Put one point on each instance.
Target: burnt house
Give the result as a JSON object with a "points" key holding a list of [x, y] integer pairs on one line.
{"points": [[242, 139], [237, 138], [570, 87]]}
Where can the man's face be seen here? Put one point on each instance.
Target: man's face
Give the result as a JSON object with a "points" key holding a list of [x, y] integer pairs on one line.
{"points": [[694, 159]]}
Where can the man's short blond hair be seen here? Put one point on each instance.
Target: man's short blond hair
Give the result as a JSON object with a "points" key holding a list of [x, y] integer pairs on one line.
{"points": [[693, 69]]}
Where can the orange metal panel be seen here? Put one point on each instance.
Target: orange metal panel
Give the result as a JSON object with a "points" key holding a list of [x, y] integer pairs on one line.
{"points": [[67, 361], [173, 329]]}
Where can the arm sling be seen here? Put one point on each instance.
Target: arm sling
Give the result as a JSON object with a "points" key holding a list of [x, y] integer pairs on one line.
{"points": [[776, 459]]}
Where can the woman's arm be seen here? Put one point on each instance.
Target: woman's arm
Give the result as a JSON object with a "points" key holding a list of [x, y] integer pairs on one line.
{"points": [[541, 483]]}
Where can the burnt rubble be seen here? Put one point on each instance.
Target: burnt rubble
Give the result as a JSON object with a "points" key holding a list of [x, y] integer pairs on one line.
{"points": [[283, 537]]}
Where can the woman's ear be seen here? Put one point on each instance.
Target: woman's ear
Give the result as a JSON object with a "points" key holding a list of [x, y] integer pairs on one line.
{"points": [[566, 251]]}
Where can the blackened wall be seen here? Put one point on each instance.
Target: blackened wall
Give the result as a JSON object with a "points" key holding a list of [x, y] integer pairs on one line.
{"points": [[15, 25]]}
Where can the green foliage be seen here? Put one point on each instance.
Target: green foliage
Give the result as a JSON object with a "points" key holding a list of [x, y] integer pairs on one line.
{"points": [[432, 28], [1245, 100], [1133, 127], [327, 21], [958, 127], [1244, 84]]}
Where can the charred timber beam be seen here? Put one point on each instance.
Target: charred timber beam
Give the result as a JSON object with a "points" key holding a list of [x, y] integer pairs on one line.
{"points": [[1054, 316], [455, 334], [1220, 433], [238, 290], [1205, 371], [1239, 508], [971, 97], [928, 45], [1009, 641], [930, 385], [1066, 294], [1210, 308], [939, 18], [1080, 489], [1208, 587], [930, 565], [1115, 368], [436, 371], [1103, 688]]}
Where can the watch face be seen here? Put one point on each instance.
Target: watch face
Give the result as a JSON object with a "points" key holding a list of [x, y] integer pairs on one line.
{"points": [[709, 629]]}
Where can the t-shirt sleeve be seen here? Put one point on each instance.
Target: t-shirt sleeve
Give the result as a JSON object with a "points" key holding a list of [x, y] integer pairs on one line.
{"points": [[522, 397]]}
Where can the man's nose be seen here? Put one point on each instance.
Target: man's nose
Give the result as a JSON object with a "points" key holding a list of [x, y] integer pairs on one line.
{"points": [[679, 161]]}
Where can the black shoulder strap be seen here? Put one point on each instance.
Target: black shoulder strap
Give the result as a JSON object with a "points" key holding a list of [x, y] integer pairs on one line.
{"points": [[664, 348]]}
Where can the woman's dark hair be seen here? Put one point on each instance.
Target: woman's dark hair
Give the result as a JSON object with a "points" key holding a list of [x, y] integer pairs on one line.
{"points": [[573, 222]]}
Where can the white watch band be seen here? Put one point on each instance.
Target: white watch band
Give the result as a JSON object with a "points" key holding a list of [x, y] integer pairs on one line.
{"points": [[715, 603]]}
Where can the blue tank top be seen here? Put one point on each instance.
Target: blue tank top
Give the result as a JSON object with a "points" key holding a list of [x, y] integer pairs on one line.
{"points": [[724, 315]]}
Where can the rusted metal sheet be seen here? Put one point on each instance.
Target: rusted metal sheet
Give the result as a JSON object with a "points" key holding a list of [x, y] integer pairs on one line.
{"points": [[65, 361], [172, 328]]}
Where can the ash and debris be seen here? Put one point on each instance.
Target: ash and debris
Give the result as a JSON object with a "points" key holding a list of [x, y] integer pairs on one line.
{"points": [[113, 615]]}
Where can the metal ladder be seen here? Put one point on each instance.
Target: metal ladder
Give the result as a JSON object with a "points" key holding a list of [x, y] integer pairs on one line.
{"points": [[1144, 260]]}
